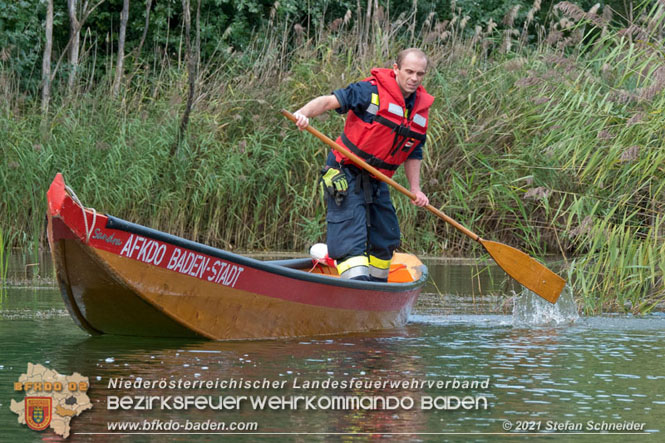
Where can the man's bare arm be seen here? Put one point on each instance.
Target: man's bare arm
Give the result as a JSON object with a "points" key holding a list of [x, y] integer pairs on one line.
{"points": [[315, 108], [412, 170]]}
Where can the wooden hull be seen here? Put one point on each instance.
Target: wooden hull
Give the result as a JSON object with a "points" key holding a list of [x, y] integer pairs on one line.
{"points": [[120, 278]]}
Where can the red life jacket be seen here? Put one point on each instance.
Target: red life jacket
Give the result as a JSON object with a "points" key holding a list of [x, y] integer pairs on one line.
{"points": [[387, 142]]}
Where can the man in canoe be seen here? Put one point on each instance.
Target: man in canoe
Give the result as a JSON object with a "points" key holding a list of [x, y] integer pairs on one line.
{"points": [[386, 124]]}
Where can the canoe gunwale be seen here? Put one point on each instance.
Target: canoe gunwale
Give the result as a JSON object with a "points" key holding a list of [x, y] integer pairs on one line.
{"points": [[286, 268]]}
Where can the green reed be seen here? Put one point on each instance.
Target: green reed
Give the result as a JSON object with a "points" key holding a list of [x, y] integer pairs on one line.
{"points": [[554, 148], [4, 263]]}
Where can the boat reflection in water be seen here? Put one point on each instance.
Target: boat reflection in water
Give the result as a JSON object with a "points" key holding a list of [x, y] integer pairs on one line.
{"points": [[152, 372]]}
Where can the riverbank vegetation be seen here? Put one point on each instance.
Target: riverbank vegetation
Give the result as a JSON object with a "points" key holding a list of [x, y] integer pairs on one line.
{"points": [[547, 132]]}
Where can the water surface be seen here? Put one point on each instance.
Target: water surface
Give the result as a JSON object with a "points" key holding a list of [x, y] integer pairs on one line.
{"points": [[545, 378]]}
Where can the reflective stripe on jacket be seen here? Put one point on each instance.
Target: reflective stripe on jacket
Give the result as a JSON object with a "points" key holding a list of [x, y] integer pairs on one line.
{"points": [[387, 142]]}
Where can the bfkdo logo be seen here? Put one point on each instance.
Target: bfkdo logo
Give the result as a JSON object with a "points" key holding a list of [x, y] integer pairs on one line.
{"points": [[38, 412], [51, 400]]}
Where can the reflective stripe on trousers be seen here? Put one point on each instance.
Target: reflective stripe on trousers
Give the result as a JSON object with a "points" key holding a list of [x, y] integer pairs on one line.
{"points": [[379, 269], [354, 267]]}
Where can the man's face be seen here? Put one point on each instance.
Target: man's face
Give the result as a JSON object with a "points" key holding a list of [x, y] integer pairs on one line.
{"points": [[410, 75]]}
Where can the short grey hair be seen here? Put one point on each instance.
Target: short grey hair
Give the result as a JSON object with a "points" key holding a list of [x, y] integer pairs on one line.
{"points": [[402, 54]]}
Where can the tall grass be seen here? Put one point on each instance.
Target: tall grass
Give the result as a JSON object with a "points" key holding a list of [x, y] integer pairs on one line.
{"points": [[4, 264], [553, 147]]}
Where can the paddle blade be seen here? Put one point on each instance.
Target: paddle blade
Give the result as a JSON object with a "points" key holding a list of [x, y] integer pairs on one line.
{"points": [[527, 271]]}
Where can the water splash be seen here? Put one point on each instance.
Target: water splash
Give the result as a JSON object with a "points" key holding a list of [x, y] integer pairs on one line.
{"points": [[531, 310]]}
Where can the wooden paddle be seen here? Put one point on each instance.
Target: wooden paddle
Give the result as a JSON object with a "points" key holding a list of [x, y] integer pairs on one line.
{"points": [[516, 263]]}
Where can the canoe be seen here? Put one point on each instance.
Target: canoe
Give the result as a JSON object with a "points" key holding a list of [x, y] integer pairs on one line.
{"points": [[121, 278]]}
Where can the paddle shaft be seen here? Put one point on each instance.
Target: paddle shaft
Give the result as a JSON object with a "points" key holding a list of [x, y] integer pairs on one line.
{"points": [[381, 176]]}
